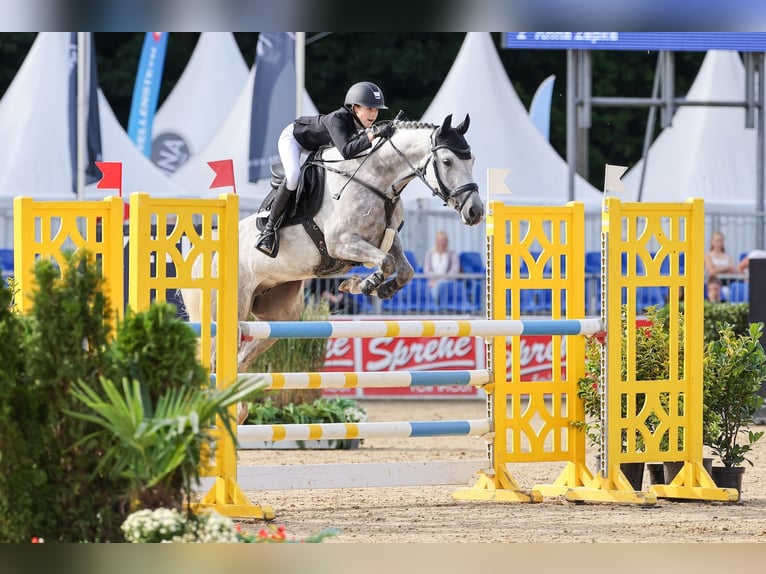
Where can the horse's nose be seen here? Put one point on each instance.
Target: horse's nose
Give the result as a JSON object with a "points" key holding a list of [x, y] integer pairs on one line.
{"points": [[475, 214]]}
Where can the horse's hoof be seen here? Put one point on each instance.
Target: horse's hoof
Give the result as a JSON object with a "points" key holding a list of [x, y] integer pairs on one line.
{"points": [[351, 285], [372, 282], [387, 290], [243, 411]]}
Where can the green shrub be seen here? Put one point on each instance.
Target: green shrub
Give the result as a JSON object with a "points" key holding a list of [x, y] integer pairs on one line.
{"points": [[295, 356], [321, 410], [49, 484], [78, 452], [157, 349], [335, 410], [734, 367], [718, 315], [653, 363]]}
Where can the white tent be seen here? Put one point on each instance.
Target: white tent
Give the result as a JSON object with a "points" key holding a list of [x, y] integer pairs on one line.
{"points": [[707, 152], [200, 100], [501, 133], [34, 123], [232, 141]]}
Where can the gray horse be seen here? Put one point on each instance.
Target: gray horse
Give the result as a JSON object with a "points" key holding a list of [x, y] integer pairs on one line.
{"points": [[359, 216]]}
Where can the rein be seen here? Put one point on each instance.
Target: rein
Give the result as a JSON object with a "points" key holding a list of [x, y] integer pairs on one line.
{"points": [[459, 195]]}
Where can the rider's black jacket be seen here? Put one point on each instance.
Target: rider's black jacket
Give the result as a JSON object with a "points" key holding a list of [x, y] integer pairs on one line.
{"points": [[337, 128]]}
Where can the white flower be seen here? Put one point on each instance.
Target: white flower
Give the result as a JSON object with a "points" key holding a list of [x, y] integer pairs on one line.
{"points": [[169, 525]]}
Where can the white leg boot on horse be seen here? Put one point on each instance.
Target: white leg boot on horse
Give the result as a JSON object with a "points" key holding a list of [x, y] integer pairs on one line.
{"points": [[268, 242]]}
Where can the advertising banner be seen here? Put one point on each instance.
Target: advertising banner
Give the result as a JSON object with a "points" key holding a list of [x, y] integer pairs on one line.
{"points": [[429, 354]]}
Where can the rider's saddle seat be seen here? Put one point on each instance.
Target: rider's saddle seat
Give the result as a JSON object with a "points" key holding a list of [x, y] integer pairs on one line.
{"points": [[308, 197]]}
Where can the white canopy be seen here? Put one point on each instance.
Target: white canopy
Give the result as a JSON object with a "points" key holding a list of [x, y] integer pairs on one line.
{"points": [[200, 100], [232, 141], [34, 122], [707, 152], [501, 133]]}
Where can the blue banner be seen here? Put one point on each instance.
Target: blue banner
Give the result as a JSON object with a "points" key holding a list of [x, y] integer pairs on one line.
{"points": [[273, 104], [93, 129], [146, 91], [540, 108], [674, 41]]}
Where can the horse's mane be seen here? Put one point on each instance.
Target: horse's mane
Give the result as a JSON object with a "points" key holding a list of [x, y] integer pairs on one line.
{"points": [[412, 125]]}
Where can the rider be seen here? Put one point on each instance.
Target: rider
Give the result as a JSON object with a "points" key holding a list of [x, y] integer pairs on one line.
{"points": [[350, 129]]}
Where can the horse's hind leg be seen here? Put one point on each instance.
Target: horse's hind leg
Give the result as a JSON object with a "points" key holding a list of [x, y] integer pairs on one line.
{"points": [[281, 303]]}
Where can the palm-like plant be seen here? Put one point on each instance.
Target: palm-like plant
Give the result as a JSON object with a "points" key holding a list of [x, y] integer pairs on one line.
{"points": [[151, 443]]}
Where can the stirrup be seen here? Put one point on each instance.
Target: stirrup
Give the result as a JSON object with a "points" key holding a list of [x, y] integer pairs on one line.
{"points": [[275, 248]]}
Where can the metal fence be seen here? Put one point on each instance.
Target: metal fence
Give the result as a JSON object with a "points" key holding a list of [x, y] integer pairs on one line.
{"points": [[466, 292]]}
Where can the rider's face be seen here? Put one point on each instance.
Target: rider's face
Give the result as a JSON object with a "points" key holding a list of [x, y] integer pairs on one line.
{"points": [[366, 115]]}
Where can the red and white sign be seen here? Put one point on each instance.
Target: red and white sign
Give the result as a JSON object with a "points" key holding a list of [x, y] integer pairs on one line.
{"points": [[429, 354]]}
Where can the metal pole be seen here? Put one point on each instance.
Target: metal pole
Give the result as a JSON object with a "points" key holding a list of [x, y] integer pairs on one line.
{"points": [[749, 89], [300, 71], [571, 121], [583, 113], [650, 125], [668, 88], [82, 55], [760, 177]]}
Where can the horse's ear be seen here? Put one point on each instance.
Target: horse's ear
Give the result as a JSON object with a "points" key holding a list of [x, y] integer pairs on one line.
{"points": [[463, 127], [446, 125]]}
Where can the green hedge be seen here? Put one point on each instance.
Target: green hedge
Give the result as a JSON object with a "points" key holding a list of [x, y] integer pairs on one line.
{"points": [[717, 315]]}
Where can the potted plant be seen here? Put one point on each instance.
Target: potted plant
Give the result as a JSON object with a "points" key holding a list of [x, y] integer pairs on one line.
{"points": [[588, 391], [734, 367], [300, 406], [321, 410], [295, 356], [652, 345]]}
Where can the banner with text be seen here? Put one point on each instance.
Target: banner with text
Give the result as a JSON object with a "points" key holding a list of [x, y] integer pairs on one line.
{"points": [[429, 354]]}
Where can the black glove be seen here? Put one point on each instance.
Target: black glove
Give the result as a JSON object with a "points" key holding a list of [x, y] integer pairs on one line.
{"points": [[383, 130]]}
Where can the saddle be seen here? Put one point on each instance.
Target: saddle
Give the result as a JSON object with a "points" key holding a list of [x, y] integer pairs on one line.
{"points": [[303, 208], [307, 199]]}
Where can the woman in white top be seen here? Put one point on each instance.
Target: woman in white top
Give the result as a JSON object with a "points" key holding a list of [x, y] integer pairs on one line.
{"points": [[717, 261], [440, 262]]}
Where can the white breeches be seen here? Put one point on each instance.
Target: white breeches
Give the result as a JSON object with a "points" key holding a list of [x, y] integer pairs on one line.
{"points": [[292, 155]]}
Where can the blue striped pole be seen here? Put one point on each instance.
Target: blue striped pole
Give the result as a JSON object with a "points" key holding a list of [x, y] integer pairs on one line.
{"points": [[368, 329], [197, 328], [362, 380], [338, 431]]}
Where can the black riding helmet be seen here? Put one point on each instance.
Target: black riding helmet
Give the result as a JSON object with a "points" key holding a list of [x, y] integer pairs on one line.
{"points": [[365, 94]]}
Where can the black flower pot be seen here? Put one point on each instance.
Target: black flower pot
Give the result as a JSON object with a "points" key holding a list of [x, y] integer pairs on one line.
{"points": [[728, 477], [633, 471], [671, 469], [656, 472]]}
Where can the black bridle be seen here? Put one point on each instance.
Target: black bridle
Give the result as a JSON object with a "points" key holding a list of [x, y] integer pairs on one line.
{"points": [[442, 192], [459, 195]]}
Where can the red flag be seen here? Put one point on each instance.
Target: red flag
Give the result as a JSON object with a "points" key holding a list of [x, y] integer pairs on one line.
{"points": [[224, 173], [112, 175]]}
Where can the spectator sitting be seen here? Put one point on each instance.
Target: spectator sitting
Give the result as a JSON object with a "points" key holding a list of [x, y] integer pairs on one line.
{"points": [[326, 289], [714, 291], [717, 261], [744, 264], [441, 261]]}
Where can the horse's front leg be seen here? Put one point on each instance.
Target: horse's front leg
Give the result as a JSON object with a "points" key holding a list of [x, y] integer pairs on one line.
{"points": [[404, 272], [354, 248]]}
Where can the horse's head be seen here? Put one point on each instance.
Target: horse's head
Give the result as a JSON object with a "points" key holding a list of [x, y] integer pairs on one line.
{"points": [[452, 178]]}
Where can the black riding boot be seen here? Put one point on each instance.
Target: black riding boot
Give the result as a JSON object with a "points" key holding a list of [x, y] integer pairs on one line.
{"points": [[268, 241]]}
